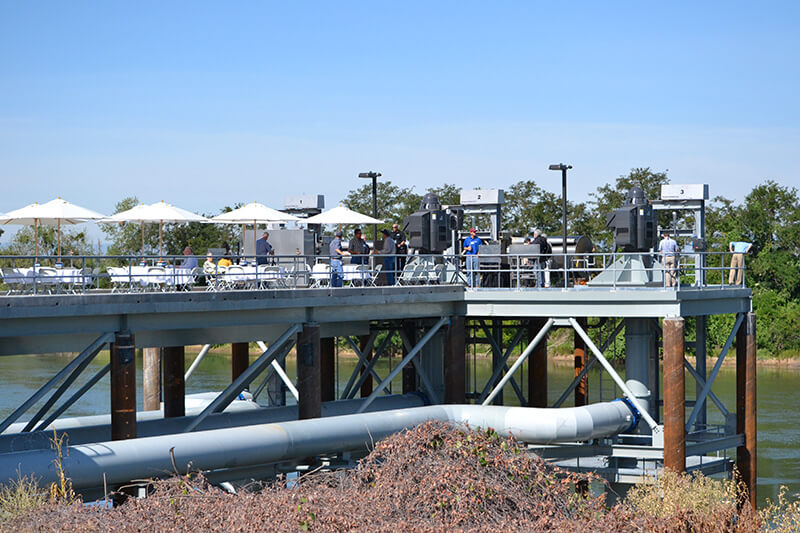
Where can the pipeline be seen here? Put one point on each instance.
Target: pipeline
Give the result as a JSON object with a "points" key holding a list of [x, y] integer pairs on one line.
{"points": [[234, 448], [83, 430]]}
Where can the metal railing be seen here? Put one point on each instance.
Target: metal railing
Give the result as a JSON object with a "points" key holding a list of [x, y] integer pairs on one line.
{"points": [[23, 275]]}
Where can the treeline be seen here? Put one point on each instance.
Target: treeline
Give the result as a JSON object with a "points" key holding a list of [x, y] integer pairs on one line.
{"points": [[769, 217]]}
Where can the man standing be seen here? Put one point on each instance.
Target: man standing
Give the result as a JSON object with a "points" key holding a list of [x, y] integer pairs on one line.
{"points": [[388, 251], [544, 255], [358, 249], [401, 246], [263, 249], [336, 260], [738, 249], [668, 249], [472, 245]]}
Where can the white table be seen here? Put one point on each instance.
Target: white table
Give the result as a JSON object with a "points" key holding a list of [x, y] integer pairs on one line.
{"points": [[237, 274], [354, 273], [141, 276], [63, 276]]}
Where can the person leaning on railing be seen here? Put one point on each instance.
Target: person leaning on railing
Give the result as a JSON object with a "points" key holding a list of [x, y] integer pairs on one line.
{"points": [[738, 249]]}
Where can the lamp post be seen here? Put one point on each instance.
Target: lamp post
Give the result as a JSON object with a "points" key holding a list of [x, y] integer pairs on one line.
{"points": [[563, 168], [374, 177]]}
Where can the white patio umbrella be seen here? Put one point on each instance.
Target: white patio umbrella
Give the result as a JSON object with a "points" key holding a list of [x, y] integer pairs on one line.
{"points": [[257, 214], [341, 215], [158, 212], [52, 213]]}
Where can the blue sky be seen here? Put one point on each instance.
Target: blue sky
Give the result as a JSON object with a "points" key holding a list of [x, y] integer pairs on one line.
{"points": [[204, 104]]}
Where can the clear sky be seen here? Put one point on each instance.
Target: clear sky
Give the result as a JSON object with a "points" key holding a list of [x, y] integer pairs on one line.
{"points": [[204, 104]]}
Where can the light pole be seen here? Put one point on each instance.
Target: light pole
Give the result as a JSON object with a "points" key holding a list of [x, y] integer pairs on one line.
{"points": [[374, 176], [563, 168]]}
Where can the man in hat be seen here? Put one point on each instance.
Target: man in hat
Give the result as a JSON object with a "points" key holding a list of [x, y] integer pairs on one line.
{"points": [[263, 249], [337, 270], [388, 251], [472, 245], [358, 248]]}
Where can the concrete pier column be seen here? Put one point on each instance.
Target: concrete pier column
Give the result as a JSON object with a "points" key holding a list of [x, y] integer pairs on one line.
{"points": [[240, 358], [582, 390], [746, 403], [174, 384], [123, 386], [639, 343], [409, 372], [674, 395], [537, 366], [151, 379], [327, 356], [309, 404], [455, 362], [366, 386]]}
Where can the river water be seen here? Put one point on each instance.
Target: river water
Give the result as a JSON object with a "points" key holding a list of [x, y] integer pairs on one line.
{"points": [[778, 419]]}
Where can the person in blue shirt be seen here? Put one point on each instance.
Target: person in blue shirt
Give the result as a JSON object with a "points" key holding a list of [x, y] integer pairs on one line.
{"points": [[472, 246], [263, 249], [738, 249], [337, 270], [669, 256]]}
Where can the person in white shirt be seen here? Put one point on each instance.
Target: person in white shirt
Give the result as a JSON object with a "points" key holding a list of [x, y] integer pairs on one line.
{"points": [[668, 249]]}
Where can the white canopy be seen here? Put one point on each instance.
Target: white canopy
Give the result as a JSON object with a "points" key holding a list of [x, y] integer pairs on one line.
{"points": [[254, 213], [52, 213], [158, 212], [341, 215]]}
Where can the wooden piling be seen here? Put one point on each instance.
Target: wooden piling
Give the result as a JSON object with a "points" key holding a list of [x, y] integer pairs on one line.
{"points": [[309, 403], [174, 384], [151, 379], [240, 358], [746, 404], [327, 354], [123, 386], [674, 395], [582, 390], [537, 366], [455, 381]]}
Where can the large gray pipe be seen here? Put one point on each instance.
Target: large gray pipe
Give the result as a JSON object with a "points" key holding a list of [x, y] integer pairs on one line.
{"points": [[124, 460], [149, 424]]}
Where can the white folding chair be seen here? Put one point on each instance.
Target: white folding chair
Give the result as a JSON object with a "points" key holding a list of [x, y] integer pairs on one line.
{"points": [[156, 278], [14, 280], [321, 275], [373, 281]]}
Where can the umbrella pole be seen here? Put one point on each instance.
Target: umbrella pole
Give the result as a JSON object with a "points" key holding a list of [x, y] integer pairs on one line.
{"points": [[59, 239], [254, 241], [142, 239], [161, 238], [35, 239]]}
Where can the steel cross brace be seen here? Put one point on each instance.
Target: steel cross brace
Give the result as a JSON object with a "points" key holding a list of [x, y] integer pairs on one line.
{"points": [[696, 375], [276, 368], [588, 366], [407, 359], [88, 353], [368, 371], [245, 378], [426, 383], [504, 365], [497, 350], [75, 397]]}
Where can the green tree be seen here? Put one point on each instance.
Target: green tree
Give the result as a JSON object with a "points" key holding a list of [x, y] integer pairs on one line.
{"points": [[125, 238], [529, 206], [394, 203], [449, 194], [71, 240]]}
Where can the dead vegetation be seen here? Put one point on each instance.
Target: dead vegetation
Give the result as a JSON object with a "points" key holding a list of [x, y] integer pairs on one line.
{"points": [[432, 478]]}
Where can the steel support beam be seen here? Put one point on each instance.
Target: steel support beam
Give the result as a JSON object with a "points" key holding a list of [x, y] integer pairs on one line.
{"points": [[500, 364], [309, 375], [123, 386], [497, 349], [537, 366], [701, 398], [174, 383], [455, 383], [245, 378], [366, 382], [700, 352], [151, 379], [746, 404], [582, 390], [407, 359], [196, 362], [701, 383], [674, 395], [87, 353], [409, 372], [521, 359], [277, 368], [75, 397], [420, 372], [349, 390], [367, 372]]}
